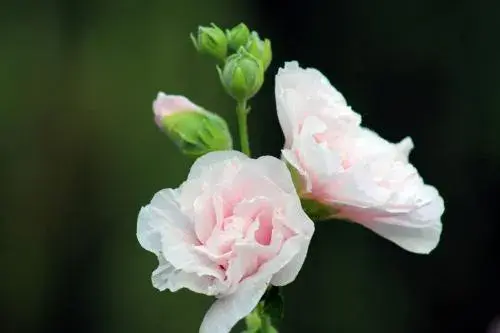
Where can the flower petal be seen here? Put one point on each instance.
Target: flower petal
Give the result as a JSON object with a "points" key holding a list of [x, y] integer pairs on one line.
{"points": [[207, 161], [421, 240], [304, 92], [315, 156], [275, 170], [167, 277], [301, 224], [416, 231], [185, 257], [162, 216], [309, 81], [404, 147], [290, 271], [228, 310], [165, 231]]}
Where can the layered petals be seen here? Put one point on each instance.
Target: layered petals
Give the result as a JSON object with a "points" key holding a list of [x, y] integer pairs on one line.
{"points": [[233, 228], [351, 169]]}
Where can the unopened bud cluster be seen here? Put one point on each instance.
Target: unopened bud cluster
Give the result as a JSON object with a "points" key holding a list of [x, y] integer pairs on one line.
{"points": [[243, 54]]}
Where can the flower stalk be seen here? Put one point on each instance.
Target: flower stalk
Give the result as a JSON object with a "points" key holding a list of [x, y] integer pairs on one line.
{"points": [[242, 114]]}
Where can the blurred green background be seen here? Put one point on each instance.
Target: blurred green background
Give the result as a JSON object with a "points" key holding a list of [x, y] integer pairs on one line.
{"points": [[81, 154]]}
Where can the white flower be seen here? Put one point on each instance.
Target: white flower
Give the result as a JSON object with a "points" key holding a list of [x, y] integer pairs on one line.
{"points": [[350, 169], [233, 228]]}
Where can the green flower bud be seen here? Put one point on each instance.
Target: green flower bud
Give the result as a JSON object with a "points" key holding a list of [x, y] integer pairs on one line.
{"points": [[194, 130], [261, 49], [211, 41], [242, 75], [237, 36]]}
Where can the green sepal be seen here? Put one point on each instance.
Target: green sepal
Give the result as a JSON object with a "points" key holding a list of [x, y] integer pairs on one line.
{"points": [[197, 132], [261, 49], [237, 36], [242, 75], [211, 41], [316, 210]]}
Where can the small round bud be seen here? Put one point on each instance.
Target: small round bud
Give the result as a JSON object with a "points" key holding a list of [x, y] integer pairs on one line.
{"points": [[212, 41], [261, 49], [242, 75], [194, 130], [237, 36]]}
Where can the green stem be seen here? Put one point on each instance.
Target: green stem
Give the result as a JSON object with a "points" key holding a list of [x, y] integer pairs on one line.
{"points": [[242, 113]]}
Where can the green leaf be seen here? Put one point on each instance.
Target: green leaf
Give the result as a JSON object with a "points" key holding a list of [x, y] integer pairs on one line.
{"points": [[267, 313], [254, 321], [267, 325], [274, 304]]}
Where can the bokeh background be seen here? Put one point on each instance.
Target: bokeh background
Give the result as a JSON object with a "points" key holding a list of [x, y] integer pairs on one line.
{"points": [[80, 154]]}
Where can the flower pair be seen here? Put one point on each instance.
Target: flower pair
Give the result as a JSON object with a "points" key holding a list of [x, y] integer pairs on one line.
{"points": [[237, 225]]}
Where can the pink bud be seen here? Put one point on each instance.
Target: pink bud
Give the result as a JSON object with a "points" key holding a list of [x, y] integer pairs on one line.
{"points": [[166, 105]]}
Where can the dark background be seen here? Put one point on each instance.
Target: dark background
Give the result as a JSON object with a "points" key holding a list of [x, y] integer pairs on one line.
{"points": [[80, 154]]}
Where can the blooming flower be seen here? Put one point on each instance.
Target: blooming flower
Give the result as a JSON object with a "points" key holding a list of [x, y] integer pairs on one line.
{"points": [[233, 228], [349, 169]]}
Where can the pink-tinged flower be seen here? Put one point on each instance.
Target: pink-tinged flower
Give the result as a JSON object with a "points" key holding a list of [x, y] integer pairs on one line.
{"points": [[233, 228], [166, 105], [351, 170]]}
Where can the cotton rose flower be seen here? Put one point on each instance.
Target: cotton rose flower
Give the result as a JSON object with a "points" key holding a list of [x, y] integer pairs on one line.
{"points": [[233, 228], [350, 171]]}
